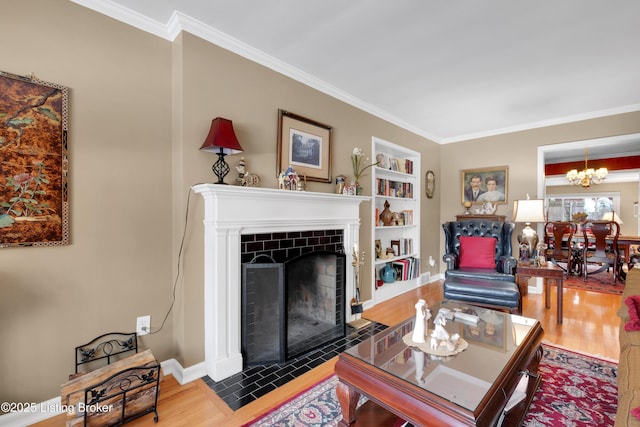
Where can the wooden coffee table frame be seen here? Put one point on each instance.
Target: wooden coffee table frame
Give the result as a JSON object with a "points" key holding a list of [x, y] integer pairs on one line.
{"points": [[420, 407]]}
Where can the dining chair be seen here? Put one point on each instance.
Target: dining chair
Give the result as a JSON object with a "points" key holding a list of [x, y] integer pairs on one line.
{"points": [[558, 237], [601, 247]]}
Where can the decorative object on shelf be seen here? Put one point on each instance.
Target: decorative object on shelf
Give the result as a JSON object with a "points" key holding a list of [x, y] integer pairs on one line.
{"points": [[251, 180], [221, 140], [358, 167], [241, 168], [467, 206], [349, 190], [388, 273], [378, 246], [341, 182], [486, 209], [588, 175], [422, 315], [429, 184], [485, 185], [528, 211], [386, 216], [290, 180], [245, 178], [305, 144], [541, 260], [34, 201], [382, 160]]}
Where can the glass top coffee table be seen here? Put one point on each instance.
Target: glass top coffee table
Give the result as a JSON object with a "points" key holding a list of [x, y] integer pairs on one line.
{"points": [[491, 382]]}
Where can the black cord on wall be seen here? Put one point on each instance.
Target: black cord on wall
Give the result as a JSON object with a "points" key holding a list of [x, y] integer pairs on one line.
{"points": [[175, 283]]}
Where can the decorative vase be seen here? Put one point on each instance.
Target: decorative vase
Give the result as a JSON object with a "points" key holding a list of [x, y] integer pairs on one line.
{"points": [[388, 274], [358, 189], [386, 216]]}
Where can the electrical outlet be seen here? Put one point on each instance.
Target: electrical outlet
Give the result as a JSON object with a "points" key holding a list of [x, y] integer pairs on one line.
{"points": [[143, 325]]}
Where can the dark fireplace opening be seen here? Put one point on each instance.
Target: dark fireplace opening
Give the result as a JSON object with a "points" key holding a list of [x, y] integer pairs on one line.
{"points": [[293, 307], [315, 300]]}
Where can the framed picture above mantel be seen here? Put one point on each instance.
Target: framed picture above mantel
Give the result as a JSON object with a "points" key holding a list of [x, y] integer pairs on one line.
{"points": [[485, 185], [305, 145]]}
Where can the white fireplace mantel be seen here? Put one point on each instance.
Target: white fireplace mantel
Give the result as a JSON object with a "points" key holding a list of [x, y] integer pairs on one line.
{"points": [[232, 211]]}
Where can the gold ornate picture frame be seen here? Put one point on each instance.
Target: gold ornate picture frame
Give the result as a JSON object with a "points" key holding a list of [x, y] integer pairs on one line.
{"points": [[34, 205], [305, 145], [493, 185]]}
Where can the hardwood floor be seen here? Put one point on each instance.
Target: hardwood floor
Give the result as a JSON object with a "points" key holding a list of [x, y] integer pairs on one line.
{"points": [[590, 325]]}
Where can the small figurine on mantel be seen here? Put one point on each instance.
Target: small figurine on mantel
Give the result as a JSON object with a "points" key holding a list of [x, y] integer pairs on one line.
{"points": [[240, 167], [289, 180]]}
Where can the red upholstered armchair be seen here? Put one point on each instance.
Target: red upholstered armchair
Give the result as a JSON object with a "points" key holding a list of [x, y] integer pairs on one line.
{"points": [[479, 249]]}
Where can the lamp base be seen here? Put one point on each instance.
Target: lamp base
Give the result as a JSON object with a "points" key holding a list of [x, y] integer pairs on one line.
{"points": [[529, 236], [220, 168]]}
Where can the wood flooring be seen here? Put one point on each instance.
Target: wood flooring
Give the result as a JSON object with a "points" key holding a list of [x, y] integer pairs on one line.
{"points": [[590, 325]]}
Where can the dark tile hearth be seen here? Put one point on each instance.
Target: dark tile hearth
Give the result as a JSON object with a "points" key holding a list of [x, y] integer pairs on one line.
{"points": [[256, 381]]}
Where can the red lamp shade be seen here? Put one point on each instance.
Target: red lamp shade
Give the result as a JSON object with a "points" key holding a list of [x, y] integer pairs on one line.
{"points": [[221, 136], [222, 141]]}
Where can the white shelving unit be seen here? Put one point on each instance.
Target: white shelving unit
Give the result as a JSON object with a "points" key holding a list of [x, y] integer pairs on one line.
{"points": [[399, 184]]}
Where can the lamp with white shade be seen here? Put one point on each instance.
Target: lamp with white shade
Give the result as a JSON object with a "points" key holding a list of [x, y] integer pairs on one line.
{"points": [[528, 211], [612, 216]]}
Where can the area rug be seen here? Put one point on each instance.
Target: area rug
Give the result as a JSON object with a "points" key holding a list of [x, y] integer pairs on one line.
{"points": [[576, 390], [596, 282]]}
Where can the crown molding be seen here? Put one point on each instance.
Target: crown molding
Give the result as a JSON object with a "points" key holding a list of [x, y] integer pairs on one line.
{"points": [[181, 22]]}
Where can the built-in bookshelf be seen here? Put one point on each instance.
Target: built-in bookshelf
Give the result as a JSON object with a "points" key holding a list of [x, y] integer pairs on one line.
{"points": [[395, 181]]}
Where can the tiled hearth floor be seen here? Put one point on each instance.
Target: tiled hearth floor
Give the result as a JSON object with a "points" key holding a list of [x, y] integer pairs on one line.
{"points": [[256, 381]]}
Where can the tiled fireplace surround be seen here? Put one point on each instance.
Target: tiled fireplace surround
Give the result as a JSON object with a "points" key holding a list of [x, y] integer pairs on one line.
{"points": [[231, 212]]}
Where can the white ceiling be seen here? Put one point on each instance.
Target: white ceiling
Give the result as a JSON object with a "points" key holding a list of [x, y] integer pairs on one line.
{"points": [[446, 70]]}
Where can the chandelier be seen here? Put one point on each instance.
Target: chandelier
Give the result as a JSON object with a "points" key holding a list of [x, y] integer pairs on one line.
{"points": [[587, 176]]}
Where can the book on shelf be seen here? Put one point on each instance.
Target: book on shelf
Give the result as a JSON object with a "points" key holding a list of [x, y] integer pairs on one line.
{"points": [[401, 165], [391, 188], [407, 268], [402, 246], [407, 216]]}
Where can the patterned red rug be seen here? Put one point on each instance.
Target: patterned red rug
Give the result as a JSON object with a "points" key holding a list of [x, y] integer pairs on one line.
{"points": [[598, 282], [576, 390]]}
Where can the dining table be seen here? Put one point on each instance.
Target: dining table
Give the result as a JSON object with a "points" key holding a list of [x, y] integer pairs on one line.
{"points": [[625, 242]]}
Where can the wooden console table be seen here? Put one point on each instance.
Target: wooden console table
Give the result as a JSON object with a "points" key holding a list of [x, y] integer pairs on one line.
{"points": [[549, 273], [462, 217]]}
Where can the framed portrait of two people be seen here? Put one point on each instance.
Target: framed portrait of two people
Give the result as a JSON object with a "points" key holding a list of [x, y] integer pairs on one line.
{"points": [[485, 185]]}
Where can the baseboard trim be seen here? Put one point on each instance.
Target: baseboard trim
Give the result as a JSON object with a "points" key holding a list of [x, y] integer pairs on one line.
{"points": [[181, 374]]}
